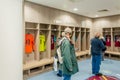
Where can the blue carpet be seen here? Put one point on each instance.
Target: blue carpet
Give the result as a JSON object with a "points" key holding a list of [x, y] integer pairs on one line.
{"points": [[108, 67]]}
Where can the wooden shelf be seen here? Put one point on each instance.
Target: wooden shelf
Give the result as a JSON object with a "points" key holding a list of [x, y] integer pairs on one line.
{"points": [[77, 29], [112, 55], [63, 28], [31, 29], [112, 31], [82, 31], [43, 60], [107, 31], [82, 54], [36, 67], [54, 30], [116, 31], [31, 25], [44, 29], [34, 64], [87, 30], [72, 28]]}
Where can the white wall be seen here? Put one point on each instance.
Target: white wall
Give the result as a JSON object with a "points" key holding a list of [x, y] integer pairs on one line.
{"points": [[43, 14], [99, 23], [11, 39]]}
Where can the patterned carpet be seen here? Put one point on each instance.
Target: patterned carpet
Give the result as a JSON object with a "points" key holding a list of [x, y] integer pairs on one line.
{"points": [[104, 77]]}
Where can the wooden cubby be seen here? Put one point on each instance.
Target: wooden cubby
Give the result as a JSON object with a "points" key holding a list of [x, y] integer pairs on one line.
{"points": [[83, 39], [112, 51], [77, 39], [116, 34], [31, 28], [40, 61], [45, 30], [106, 29], [73, 34], [72, 28], [55, 32], [63, 28], [107, 32], [87, 38]]}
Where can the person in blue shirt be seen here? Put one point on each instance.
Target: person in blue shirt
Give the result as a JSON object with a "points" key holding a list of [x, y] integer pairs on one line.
{"points": [[96, 51]]}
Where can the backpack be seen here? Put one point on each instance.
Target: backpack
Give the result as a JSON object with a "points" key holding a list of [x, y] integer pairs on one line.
{"points": [[59, 55]]}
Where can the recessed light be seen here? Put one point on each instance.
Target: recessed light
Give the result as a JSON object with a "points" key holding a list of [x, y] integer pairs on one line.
{"points": [[75, 9], [96, 15]]}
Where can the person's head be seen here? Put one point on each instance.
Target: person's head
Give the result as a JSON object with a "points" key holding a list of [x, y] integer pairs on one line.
{"points": [[63, 34], [68, 32], [97, 35]]}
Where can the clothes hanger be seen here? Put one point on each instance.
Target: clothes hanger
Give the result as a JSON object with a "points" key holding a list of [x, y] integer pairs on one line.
{"points": [[28, 32], [41, 33]]}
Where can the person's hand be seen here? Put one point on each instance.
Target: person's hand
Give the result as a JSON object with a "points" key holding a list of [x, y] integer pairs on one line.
{"points": [[71, 42]]}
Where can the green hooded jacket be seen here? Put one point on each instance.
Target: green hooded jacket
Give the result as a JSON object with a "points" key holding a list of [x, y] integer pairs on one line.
{"points": [[69, 65]]}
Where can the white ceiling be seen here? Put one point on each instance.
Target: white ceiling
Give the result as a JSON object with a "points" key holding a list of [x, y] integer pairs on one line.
{"points": [[87, 8]]}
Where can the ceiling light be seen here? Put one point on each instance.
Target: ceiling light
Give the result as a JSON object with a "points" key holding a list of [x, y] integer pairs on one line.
{"points": [[96, 15], [75, 9]]}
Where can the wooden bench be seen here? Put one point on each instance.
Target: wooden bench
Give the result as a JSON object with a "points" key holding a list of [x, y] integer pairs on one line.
{"points": [[35, 67], [111, 54], [82, 54]]}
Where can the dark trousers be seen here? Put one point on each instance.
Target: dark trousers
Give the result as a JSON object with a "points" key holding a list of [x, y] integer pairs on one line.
{"points": [[67, 77], [103, 55], [96, 62], [59, 72]]}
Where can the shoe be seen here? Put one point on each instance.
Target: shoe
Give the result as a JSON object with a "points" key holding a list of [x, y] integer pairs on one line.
{"points": [[99, 74], [59, 75]]}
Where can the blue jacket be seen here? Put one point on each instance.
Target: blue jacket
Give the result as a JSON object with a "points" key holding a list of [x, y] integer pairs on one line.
{"points": [[96, 46]]}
